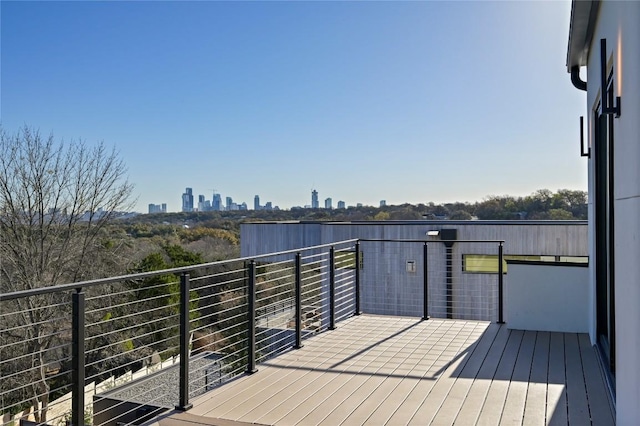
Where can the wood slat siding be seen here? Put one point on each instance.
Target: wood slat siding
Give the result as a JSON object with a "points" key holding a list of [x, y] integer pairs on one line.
{"points": [[521, 237], [387, 287], [376, 370]]}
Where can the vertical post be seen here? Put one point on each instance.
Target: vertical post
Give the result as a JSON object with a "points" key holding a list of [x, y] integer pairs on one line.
{"points": [[425, 291], [77, 358], [357, 312], [298, 343], [332, 288], [500, 285], [185, 329], [449, 280], [251, 318]]}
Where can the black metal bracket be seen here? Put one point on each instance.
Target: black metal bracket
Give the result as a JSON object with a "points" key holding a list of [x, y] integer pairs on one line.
{"points": [[582, 152], [606, 108]]}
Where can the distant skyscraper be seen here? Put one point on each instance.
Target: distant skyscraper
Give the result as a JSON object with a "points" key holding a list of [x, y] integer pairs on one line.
{"points": [[216, 203], [256, 202], [315, 204], [327, 203], [230, 203], [341, 205], [187, 200], [201, 203], [268, 206], [383, 203], [158, 208]]}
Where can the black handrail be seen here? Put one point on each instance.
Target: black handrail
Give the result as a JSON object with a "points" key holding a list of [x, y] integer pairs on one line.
{"points": [[141, 275]]}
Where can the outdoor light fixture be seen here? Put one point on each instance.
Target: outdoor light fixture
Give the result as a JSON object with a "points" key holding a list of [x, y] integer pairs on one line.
{"points": [[434, 233], [583, 153], [606, 108]]}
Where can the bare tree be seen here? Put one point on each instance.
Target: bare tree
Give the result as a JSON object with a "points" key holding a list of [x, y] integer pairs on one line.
{"points": [[56, 201]]}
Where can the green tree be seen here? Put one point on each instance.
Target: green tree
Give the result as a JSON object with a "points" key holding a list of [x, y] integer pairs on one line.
{"points": [[460, 215], [559, 214], [160, 295], [381, 216]]}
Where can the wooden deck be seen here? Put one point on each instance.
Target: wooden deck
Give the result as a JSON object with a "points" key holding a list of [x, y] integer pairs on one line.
{"points": [[375, 370]]}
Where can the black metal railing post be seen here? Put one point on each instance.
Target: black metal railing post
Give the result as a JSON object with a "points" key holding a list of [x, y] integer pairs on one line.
{"points": [[332, 288], [298, 343], [500, 285], [425, 279], [251, 318], [77, 358], [357, 295], [185, 330]]}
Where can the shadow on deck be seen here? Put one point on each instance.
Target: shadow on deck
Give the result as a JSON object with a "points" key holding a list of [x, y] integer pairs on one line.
{"points": [[392, 370]]}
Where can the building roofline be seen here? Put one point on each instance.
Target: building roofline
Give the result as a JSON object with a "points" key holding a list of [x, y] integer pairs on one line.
{"points": [[425, 222], [581, 29]]}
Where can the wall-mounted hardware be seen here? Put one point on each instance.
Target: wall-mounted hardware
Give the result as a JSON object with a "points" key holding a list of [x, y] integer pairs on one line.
{"points": [[606, 108], [582, 151]]}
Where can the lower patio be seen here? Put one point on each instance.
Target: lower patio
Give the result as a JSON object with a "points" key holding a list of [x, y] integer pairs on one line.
{"points": [[396, 370]]}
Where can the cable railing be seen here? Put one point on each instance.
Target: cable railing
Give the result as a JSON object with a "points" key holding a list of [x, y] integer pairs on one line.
{"points": [[429, 278], [124, 349]]}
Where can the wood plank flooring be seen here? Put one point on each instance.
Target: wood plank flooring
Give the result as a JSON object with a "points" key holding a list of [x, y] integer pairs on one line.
{"points": [[378, 370]]}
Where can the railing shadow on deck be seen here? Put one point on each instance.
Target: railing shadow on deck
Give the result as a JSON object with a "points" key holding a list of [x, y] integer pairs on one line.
{"points": [[199, 326]]}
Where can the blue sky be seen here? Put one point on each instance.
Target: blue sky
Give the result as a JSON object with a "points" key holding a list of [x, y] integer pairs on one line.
{"points": [[403, 101]]}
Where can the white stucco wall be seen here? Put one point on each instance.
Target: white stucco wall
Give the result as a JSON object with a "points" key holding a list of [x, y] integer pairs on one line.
{"points": [[619, 23], [547, 298]]}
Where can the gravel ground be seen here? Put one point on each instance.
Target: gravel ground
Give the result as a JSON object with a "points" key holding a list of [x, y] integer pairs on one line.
{"points": [[161, 388]]}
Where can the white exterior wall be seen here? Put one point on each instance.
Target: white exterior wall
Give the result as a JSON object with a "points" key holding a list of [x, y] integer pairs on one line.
{"points": [[548, 298], [619, 23]]}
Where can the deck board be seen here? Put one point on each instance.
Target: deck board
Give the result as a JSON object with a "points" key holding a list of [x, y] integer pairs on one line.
{"points": [[556, 382], [497, 394], [470, 411], [578, 408], [514, 405], [431, 405], [462, 381], [415, 398], [600, 407], [536, 403], [377, 370]]}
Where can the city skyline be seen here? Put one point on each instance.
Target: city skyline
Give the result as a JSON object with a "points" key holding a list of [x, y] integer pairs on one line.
{"points": [[215, 204], [411, 102]]}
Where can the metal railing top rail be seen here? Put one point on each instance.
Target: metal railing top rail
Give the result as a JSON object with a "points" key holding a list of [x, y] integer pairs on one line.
{"points": [[397, 240], [141, 275]]}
